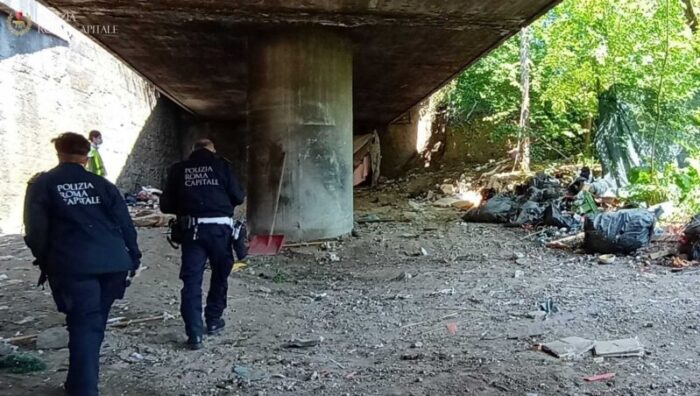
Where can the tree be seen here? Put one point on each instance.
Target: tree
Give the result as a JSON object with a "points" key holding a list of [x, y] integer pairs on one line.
{"points": [[690, 15], [579, 50], [522, 156]]}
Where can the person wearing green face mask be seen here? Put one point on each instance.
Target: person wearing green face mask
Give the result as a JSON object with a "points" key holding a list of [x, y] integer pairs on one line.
{"points": [[95, 163]]}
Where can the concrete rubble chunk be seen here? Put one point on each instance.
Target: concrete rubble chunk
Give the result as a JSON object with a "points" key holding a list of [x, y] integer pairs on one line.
{"points": [[53, 338], [627, 347], [569, 348]]}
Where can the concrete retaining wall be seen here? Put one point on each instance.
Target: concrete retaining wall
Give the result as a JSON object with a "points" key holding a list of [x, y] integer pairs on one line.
{"points": [[65, 82]]}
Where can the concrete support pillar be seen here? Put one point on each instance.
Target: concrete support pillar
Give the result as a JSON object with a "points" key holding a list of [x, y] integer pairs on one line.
{"points": [[300, 108]]}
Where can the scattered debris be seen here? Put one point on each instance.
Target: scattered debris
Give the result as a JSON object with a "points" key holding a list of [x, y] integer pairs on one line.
{"points": [[264, 289], [239, 266], [452, 328], [448, 189], [680, 263], [404, 276], [600, 377], [661, 254], [569, 348], [369, 218], [452, 315], [151, 218], [447, 292], [548, 306], [300, 343], [135, 357], [247, 374], [538, 315], [519, 274], [606, 258], [319, 296], [124, 323], [628, 347], [569, 242]]}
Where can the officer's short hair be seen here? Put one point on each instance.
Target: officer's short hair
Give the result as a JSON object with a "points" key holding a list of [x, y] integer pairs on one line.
{"points": [[71, 143], [203, 143], [93, 134]]}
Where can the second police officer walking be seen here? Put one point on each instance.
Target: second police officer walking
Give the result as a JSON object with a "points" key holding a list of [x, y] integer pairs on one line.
{"points": [[203, 192]]}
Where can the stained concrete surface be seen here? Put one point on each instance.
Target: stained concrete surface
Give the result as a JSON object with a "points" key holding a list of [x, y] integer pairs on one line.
{"points": [[404, 49]]}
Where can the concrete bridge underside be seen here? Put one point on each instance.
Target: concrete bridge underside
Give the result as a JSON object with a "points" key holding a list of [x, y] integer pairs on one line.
{"points": [[304, 74]]}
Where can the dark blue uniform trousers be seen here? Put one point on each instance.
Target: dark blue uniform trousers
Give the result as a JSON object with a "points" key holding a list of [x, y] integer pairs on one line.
{"points": [[86, 301], [213, 242]]}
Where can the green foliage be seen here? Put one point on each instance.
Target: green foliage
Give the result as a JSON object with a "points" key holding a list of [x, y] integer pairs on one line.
{"points": [[579, 50], [678, 185]]}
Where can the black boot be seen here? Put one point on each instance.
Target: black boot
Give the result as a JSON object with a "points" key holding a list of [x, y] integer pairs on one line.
{"points": [[195, 342], [215, 326]]}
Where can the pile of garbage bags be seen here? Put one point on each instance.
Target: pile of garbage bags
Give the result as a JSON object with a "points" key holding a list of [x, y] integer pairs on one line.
{"points": [[543, 201], [538, 202]]}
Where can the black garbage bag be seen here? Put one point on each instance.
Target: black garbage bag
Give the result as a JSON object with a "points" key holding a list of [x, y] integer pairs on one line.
{"points": [[690, 242], [542, 181], [499, 209], [531, 213], [553, 217], [534, 194], [623, 231], [551, 193]]}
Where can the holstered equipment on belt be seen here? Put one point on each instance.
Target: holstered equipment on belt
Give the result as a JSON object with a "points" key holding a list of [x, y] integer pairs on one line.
{"points": [[239, 240], [43, 276], [176, 230]]}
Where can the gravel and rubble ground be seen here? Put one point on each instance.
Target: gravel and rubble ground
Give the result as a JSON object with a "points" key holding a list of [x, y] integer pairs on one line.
{"points": [[424, 305]]}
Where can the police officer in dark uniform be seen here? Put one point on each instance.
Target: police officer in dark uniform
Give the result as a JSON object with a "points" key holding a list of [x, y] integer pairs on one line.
{"points": [[203, 191], [79, 230]]}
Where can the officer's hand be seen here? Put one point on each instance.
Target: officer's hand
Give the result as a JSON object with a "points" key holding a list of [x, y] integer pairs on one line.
{"points": [[135, 273], [132, 275]]}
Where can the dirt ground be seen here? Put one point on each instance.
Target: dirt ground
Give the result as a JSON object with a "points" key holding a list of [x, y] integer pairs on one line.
{"points": [[385, 303]]}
